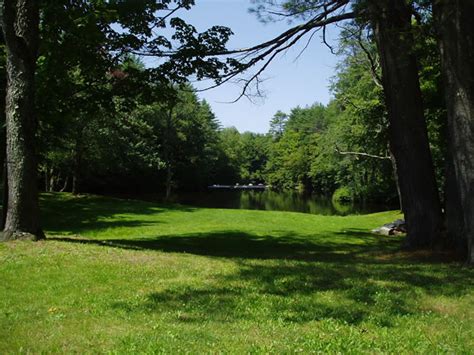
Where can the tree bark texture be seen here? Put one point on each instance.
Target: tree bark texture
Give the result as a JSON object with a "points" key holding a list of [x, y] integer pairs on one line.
{"points": [[454, 218], [4, 196], [19, 19], [456, 43], [408, 135]]}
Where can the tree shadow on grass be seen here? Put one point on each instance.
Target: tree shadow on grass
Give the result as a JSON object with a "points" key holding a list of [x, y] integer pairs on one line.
{"points": [[237, 244], [309, 291], [288, 277], [65, 213]]}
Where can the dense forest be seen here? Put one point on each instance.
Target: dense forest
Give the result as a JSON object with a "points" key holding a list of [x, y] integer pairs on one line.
{"points": [[85, 114], [111, 133]]}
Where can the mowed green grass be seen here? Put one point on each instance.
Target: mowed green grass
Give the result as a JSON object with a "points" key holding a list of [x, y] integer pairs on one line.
{"points": [[133, 277]]}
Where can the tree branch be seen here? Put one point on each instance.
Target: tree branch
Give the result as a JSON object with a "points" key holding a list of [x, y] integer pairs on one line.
{"points": [[362, 154]]}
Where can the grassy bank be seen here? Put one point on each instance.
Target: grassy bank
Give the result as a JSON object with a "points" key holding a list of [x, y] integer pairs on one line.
{"points": [[129, 276]]}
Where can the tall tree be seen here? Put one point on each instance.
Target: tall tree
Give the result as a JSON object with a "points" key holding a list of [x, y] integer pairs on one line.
{"points": [[277, 124], [19, 20], [456, 43], [391, 20]]}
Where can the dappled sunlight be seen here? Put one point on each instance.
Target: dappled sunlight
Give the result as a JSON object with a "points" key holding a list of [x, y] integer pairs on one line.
{"points": [[342, 286], [150, 274], [347, 275]]}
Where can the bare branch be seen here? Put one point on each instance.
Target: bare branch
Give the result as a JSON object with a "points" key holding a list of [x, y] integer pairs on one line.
{"points": [[362, 154], [306, 45], [373, 62], [374, 66], [325, 41], [263, 54]]}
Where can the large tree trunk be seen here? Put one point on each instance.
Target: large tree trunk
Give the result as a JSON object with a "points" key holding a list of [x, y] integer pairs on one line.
{"points": [[453, 210], [407, 127], [19, 20], [4, 196], [456, 43]]}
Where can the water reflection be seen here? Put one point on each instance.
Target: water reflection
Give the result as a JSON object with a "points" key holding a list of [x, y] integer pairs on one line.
{"points": [[274, 201]]}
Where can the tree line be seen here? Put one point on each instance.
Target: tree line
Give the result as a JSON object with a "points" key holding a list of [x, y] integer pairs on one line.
{"points": [[74, 89]]}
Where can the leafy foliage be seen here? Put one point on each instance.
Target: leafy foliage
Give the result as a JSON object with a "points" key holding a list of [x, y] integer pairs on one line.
{"points": [[111, 121], [102, 111]]}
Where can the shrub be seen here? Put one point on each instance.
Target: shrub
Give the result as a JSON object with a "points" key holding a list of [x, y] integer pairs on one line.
{"points": [[342, 195]]}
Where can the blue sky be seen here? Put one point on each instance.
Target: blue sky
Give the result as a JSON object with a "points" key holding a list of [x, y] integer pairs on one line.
{"points": [[289, 82]]}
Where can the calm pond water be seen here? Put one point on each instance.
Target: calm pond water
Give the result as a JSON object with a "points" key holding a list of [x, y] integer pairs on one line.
{"points": [[274, 201]]}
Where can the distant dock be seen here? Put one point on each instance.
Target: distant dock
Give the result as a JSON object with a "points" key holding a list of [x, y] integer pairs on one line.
{"points": [[238, 187]]}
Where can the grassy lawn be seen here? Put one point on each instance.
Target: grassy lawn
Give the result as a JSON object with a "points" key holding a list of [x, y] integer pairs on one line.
{"points": [[133, 277]]}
